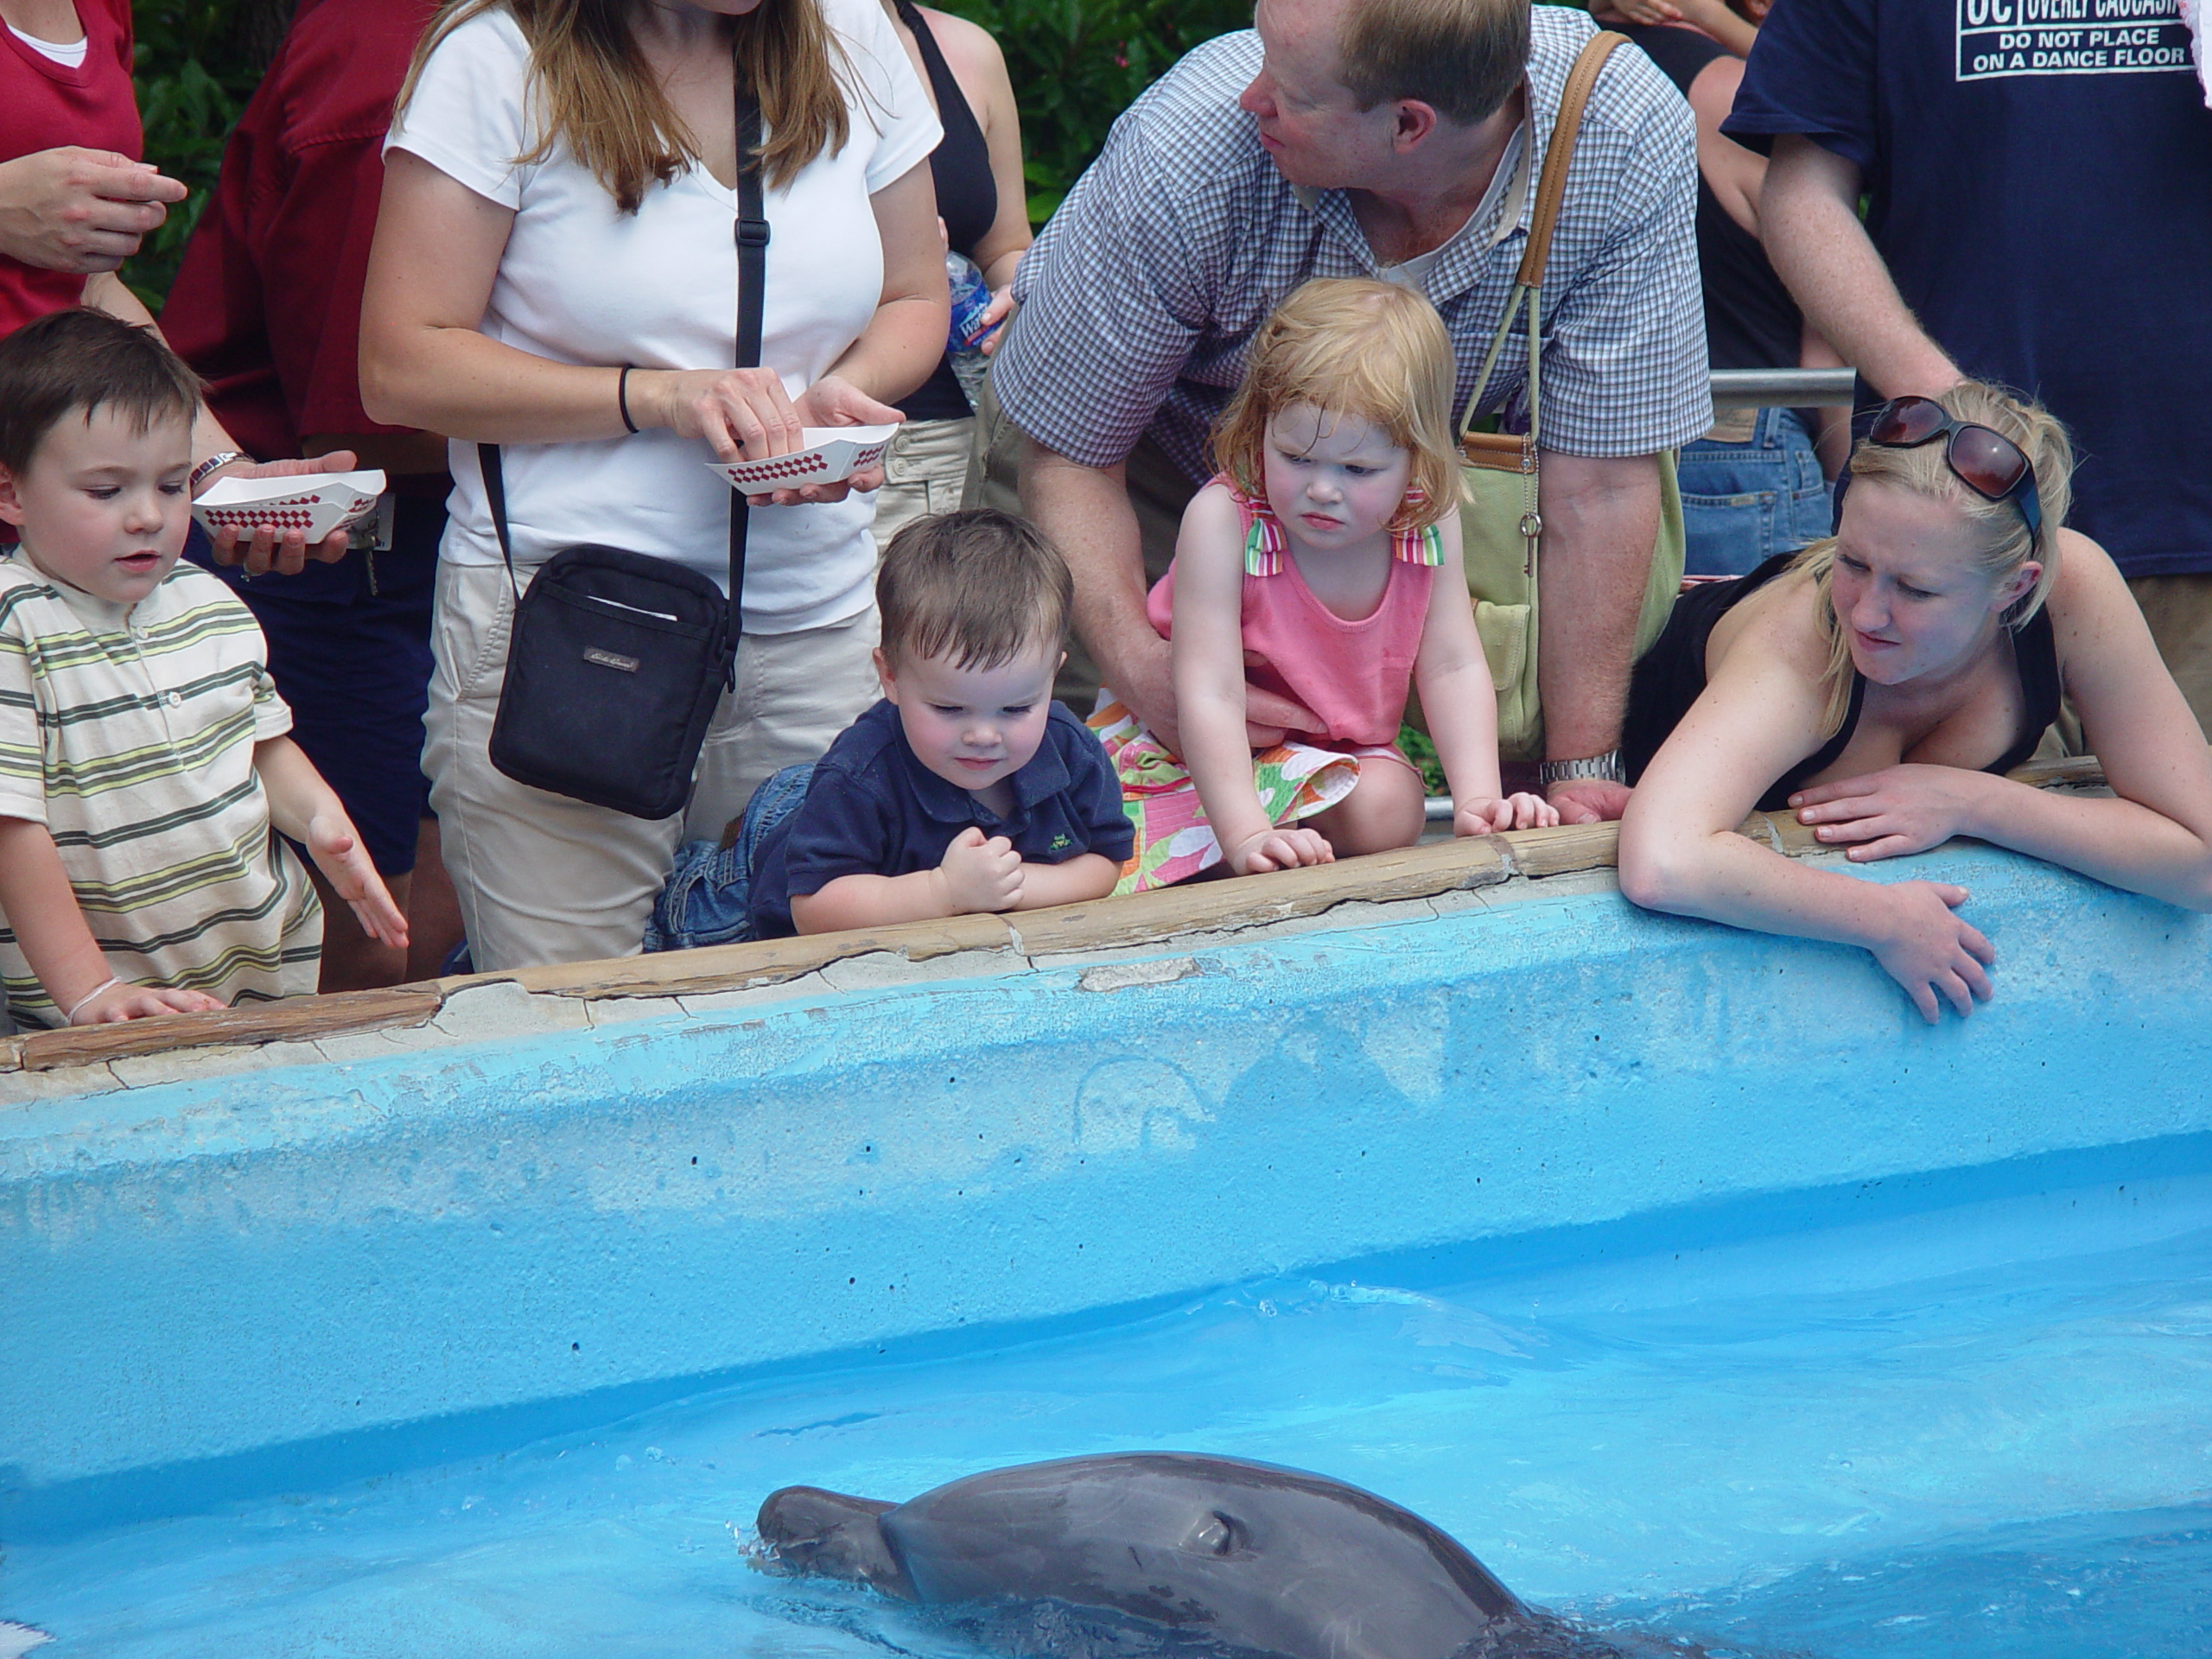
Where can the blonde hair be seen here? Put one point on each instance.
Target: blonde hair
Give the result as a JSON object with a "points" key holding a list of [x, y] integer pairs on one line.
{"points": [[1462, 57], [601, 97], [1351, 346], [2003, 543]]}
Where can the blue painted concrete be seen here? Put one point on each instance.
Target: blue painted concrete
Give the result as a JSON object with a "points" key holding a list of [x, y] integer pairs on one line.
{"points": [[232, 1282]]}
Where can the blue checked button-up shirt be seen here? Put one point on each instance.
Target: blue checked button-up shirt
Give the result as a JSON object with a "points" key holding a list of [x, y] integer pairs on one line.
{"points": [[1140, 297]]}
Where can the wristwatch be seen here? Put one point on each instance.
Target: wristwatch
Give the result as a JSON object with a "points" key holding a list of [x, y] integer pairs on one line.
{"points": [[215, 462], [1605, 767]]}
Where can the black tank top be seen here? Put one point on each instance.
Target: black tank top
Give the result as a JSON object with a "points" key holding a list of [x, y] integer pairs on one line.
{"points": [[1750, 321], [966, 199], [1670, 676]]}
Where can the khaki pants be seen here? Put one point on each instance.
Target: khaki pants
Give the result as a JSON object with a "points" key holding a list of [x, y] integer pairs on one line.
{"points": [[924, 474], [543, 879], [1158, 491], [2179, 610]]}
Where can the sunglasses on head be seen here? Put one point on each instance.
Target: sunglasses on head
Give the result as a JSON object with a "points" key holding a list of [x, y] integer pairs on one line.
{"points": [[1985, 462]]}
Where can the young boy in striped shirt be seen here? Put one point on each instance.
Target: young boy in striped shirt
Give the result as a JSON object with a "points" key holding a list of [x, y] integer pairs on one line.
{"points": [[144, 775]]}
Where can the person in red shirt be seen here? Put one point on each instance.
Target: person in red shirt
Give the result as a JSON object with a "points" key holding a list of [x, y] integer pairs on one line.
{"points": [[266, 307], [78, 208], [70, 213]]}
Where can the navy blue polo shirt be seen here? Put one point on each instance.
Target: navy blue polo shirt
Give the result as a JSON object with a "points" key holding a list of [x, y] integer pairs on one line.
{"points": [[874, 809], [2039, 175]]}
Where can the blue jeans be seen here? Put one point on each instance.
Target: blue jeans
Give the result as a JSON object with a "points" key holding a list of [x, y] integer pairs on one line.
{"points": [[1745, 502], [708, 896], [349, 648]]}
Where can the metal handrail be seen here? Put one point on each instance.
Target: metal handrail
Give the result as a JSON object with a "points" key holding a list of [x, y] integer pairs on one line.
{"points": [[1783, 388]]}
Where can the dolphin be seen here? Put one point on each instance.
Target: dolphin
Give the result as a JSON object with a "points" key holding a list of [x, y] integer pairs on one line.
{"points": [[1234, 1557]]}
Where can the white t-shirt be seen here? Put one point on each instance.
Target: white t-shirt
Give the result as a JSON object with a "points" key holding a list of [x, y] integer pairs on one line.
{"points": [[581, 281], [1512, 174], [70, 54]]}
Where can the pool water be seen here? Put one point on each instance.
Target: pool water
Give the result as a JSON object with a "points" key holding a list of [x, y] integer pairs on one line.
{"points": [[1986, 1429]]}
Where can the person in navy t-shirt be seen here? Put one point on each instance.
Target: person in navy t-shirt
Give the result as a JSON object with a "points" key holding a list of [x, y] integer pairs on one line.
{"points": [[967, 789], [2038, 178]]}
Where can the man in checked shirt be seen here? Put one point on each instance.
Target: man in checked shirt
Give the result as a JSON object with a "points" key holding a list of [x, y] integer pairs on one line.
{"points": [[1393, 138]]}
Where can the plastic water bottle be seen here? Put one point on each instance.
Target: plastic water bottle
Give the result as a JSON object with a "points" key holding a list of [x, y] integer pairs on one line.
{"points": [[971, 297]]}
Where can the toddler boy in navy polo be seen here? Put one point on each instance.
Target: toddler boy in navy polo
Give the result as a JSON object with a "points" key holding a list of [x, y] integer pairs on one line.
{"points": [[874, 808], [967, 789]]}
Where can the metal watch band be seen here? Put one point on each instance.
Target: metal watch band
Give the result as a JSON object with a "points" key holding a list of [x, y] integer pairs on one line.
{"points": [[221, 458], [1605, 767]]}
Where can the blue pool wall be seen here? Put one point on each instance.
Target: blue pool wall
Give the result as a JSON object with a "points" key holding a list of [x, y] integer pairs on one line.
{"points": [[276, 1280]]}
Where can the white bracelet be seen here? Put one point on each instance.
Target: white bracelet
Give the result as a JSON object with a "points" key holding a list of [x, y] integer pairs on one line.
{"points": [[70, 1018]]}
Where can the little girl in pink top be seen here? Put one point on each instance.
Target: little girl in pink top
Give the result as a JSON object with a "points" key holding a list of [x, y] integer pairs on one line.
{"points": [[1323, 563]]}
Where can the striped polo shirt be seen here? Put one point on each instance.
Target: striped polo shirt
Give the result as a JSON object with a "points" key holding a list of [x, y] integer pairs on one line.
{"points": [[129, 731]]}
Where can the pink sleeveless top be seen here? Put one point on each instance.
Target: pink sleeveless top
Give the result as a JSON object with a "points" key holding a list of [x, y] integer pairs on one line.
{"points": [[1354, 676]]}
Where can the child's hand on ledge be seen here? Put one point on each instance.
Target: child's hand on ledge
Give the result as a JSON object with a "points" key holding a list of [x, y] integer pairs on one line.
{"points": [[115, 1002], [1279, 849], [336, 849], [1484, 817], [977, 875]]}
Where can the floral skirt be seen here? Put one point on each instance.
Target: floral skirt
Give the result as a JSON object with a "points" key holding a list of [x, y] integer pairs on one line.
{"points": [[1173, 840]]}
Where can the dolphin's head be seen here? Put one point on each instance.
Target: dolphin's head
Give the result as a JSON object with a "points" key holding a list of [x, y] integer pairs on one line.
{"points": [[806, 1529], [1251, 1556]]}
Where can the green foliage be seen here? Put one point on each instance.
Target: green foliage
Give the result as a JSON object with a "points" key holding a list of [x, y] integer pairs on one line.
{"points": [[191, 87], [1077, 64], [1423, 752]]}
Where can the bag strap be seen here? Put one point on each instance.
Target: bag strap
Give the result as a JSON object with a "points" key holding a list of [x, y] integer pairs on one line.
{"points": [[752, 234], [495, 497], [1551, 191], [1559, 155]]}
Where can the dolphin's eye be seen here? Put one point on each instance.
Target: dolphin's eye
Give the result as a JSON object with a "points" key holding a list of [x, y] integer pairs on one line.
{"points": [[1217, 1533]]}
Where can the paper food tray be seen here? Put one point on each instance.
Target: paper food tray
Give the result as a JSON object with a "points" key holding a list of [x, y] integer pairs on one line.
{"points": [[315, 505], [833, 453]]}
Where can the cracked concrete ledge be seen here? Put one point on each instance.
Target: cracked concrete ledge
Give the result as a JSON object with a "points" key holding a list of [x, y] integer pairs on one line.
{"points": [[1111, 944]]}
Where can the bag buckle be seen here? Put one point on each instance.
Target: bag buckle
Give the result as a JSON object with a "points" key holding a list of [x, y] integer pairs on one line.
{"points": [[752, 232]]}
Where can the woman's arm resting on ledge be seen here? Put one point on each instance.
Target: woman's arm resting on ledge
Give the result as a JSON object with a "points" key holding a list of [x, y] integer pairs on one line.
{"points": [[2155, 838], [1680, 851]]}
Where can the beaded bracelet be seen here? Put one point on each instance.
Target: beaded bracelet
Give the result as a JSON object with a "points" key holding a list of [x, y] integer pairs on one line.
{"points": [[215, 463]]}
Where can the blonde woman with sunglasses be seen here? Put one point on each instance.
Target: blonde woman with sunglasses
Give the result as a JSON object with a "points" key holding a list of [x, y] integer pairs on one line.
{"points": [[1880, 683]]}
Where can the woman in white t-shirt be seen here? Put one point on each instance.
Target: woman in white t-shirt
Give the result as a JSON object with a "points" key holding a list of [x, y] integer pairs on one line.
{"points": [[559, 201]]}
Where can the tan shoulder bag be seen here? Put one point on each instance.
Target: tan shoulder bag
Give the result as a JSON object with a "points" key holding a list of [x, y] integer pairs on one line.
{"points": [[1500, 521]]}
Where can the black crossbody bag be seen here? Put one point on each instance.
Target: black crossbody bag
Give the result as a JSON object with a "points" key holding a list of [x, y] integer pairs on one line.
{"points": [[616, 660]]}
